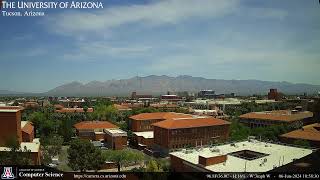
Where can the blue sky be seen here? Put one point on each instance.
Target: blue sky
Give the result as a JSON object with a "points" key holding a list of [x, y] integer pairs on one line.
{"points": [[221, 39]]}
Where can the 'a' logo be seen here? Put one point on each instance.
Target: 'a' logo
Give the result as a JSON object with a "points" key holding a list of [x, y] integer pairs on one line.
{"points": [[7, 173]]}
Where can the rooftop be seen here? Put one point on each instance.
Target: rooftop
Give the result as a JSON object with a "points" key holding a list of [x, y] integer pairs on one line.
{"points": [[164, 105], [26, 127], [10, 108], [309, 132], [279, 115], [116, 132], [145, 134], [120, 107], [160, 115], [73, 110], [95, 125], [32, 146], [274, 155], [198, 121]]}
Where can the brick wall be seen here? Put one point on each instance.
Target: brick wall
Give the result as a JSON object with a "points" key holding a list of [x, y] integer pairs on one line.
{"points": [[10, 126], [180, 138], [207, 161]]}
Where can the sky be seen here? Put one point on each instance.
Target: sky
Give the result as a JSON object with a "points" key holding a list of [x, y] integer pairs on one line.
{"points": [[218, 39]]}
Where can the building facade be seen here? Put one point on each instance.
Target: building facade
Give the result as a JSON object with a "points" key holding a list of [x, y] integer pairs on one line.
{"points": [[13, 128], [280, 117], [189, 132], [102, 131], [143, 121]]}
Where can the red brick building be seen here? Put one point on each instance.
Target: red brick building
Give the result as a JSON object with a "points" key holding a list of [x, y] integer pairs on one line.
{"points": [[116, 138], [310, 133], [143, 121], [103, 131], [268, 118], [13, 127], [274, 94], [143, 139], [189, 132], [10, 124], [73, 110], [27, 130]]}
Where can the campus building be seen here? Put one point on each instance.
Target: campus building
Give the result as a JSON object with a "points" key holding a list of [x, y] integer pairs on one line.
{"points": [[176, 133], [74, 110], [103, 131], [246, 156], [206, 94], [286, 117], [143, 139], [13, 128], [274, 94], [142, 129], [310, 133], [143, 121]]}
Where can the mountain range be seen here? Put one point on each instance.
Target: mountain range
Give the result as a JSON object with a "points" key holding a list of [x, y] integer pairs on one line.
{"points": [[157, 85]]}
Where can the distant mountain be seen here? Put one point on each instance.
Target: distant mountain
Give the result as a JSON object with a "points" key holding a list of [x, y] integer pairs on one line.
{"points": [[157, 85], [6, 92]]}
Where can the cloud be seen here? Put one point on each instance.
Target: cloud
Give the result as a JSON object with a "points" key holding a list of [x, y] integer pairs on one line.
{"points": [[156, 13], [98, 50], [264, 13]]}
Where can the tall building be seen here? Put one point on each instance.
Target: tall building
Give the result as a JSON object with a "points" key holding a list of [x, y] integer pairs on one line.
{"points": [[10, 124], [207, 94], [274, 94], [13, 128]]}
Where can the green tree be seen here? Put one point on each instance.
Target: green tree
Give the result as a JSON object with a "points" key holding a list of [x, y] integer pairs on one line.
{"points": [[16, 155], [238, 131], [301, 142], [15, 103], [66, 129], [105, 112], [84, 156], [51, 146], [85, 109], [123, 157], [153, 166]]}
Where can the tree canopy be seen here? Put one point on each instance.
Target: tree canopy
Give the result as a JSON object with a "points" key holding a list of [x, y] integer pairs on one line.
{"points": [[84, 156], [123, 157]]}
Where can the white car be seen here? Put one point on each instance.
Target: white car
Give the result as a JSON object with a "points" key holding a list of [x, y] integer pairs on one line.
{"points": [[52, 165]]}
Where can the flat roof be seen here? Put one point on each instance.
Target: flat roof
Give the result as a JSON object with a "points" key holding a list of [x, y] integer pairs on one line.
{"points": [[205, 110], [23, 123], [9, 110], [115, 132], [276, 154], [32, 146], [145, 134]]}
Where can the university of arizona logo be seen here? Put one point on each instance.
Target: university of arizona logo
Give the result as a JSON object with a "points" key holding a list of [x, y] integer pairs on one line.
{"points": [[7, 173]]}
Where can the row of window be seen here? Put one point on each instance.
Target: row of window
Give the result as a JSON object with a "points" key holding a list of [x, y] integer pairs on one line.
{"points": [[195, 130]]}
